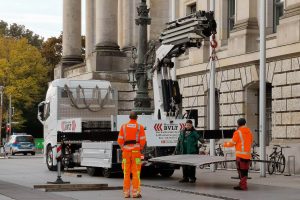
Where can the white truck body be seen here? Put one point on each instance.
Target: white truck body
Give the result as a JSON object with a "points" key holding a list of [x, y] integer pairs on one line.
{"points": [[65, 114], [60, 113]]}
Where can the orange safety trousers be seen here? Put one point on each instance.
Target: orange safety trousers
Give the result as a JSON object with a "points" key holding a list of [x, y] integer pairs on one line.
{"points": [[131, 164]]}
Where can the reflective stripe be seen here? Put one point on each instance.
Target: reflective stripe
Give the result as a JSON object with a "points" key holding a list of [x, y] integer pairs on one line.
{"points": [[124, 163], [143, 137], [124, 131], [138, 161], [120, 137], [128, 147], [242, 141], [132, 147], [137, 133], [243, 152]]}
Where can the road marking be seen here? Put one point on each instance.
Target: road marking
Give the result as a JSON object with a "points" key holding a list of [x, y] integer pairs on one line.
{"points": [[189, 192]]}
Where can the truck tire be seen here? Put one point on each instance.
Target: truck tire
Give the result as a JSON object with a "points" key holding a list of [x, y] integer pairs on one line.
{"points": [[93, 171], [107, 172], [149, 172], [49, 159], [167, 173]]}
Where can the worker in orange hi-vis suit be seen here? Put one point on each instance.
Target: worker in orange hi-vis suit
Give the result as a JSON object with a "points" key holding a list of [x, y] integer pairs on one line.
{"points": [[242, 141], [132, 140]]}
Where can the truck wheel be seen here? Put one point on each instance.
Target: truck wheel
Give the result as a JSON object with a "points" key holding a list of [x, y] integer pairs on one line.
{"points": [[49, 159], [93, 171], [149, 172], [107, 172], [167, 173]]}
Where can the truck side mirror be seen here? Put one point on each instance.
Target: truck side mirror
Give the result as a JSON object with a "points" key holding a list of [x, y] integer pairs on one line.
{"points": [[41, 108]]}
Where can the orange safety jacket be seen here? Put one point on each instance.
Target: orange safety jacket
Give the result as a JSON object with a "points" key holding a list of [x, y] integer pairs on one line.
{"points": [[132, 136], [242, 141]]}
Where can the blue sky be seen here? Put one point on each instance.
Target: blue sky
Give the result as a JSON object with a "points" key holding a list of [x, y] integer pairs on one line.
{"points": [[43, 17]]}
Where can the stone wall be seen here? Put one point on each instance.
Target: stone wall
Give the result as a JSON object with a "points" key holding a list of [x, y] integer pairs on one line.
{"points": [[286, 99], [238, 96]]}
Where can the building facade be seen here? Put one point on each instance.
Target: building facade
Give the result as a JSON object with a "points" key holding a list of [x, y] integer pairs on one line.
{"points": [[111, 33]]}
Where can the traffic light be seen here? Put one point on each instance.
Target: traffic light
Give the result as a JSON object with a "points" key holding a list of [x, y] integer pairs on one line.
{"points": [[7, 128]]}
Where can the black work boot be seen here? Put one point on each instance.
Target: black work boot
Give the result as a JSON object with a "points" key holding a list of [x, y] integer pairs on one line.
{"points": [[237, 188], [184, 180], [192, 180]]}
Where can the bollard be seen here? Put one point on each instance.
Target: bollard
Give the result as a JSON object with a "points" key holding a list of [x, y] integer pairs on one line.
{"points": [[290, 159], [58, 158], [226, 155]]}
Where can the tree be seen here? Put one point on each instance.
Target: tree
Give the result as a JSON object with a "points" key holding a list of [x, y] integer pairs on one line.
{"points": [[3, 28], [23, 75], [19, 31], [52, 51]]}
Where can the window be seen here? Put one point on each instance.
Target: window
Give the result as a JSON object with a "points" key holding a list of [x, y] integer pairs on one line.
{"points": [[47, 110], [231, 15], [278, 12], [190, 9], [24, 139]]}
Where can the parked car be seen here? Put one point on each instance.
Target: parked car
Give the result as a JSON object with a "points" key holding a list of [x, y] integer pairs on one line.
{"points": [[20, 144]]}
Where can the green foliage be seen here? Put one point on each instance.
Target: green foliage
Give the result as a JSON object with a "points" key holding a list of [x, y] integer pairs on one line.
{"points": [[23, 75], [19, 31], [52, 50], [3, 28]]}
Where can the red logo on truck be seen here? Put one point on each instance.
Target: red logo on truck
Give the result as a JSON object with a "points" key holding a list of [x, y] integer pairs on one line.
{"points": [[68, 126], [158, 127]]}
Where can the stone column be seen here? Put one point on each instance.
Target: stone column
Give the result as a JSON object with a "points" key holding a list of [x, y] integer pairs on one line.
{"points": [[288, 30], [90, 27], [135, 28], [71, 32], [142, 102], [243, 37], [107, 25], [128, 23]]}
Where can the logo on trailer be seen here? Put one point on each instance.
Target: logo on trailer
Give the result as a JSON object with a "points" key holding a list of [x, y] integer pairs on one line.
{"points": [[68, 125], [158, 127], [73, 125]]}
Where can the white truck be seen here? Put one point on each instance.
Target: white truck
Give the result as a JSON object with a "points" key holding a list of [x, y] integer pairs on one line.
{"points": [[83, 114]]}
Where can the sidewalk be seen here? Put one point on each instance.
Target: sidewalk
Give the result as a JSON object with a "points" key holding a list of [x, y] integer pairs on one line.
{"points": [[221, 184], [18, 192], [19, 175]]}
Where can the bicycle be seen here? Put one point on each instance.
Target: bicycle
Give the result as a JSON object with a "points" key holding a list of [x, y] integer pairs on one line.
{"points": [[277, 160], [254, 156], [203, 152], [219, 152]]}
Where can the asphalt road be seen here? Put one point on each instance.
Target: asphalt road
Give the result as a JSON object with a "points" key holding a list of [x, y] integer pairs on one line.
{"points": [[18, 174]]}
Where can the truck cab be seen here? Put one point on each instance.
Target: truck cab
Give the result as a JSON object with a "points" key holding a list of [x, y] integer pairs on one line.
{"points": [[74, 106]]}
